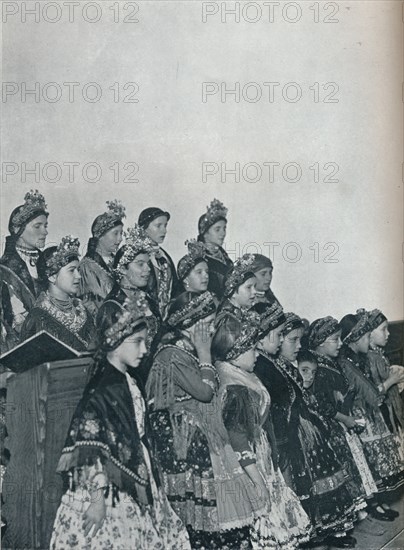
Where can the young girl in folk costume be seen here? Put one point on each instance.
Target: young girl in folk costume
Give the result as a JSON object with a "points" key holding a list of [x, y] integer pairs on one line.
{"points": [[379, 444], [20, 283], [212, 232], [96, 266], [244, 405], [262, 268], [201, 479], [58, 310], [386, 377], [324, 378], [305, 455], [163, 281], [192, 269], [132, 273], [238, 290], [113, 497]]}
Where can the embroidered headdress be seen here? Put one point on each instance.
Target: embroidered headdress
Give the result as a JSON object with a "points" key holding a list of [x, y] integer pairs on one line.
{"points": [[137, 241], [189, 308], [239, 273], [376, 318], [196, 254], [57, 257], [293, 322], [359, 326], [109, 219], [233, 337], [271, 316], [33, 207], [215, 212], [321, 329], [117, 321]]}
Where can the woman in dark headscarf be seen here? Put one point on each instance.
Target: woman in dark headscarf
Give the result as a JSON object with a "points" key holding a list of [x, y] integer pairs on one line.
{"points": [[212, 232], [96, 266], [262, 268], [113, 497], [163, 281], [20, 282]]}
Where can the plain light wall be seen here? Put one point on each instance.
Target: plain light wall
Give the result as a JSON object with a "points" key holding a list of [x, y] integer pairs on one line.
{"points": [[171, 132]]}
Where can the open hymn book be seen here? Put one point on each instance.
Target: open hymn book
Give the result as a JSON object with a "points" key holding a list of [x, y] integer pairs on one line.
{"points": [[39, 348]]}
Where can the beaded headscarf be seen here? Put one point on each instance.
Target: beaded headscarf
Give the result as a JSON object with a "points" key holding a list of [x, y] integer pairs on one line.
{"points": [[196, 307], [136, 242], [239, 273], [196, 254], [215, 212], [126, 317], [321, 329], [66, 252], [271, 316], [361, 327], [376, 318], [293, 322], [109, 219], [33, 207], [233, 337]]}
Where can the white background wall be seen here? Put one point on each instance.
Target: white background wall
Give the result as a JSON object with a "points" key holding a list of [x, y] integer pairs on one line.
{"points": [[170, 132]]}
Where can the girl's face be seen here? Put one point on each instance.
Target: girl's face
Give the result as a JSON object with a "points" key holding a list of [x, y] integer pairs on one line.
{"points": [[362, 345], [380, 335], [264, 279], [34, 234], [245, 294], [307, 372], [246, 361], [157, 229], [291, 344], [198, 278], [331, 346], [110, 241], [137, 272], [216, 234], [67, 279], [272, 341], [132, 349]]}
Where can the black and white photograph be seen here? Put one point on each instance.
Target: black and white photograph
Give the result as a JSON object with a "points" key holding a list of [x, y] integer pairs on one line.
{"points": [[201, 275]]}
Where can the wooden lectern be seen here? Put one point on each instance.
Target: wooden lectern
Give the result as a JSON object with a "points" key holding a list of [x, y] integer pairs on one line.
{"points": [[40, 404]]}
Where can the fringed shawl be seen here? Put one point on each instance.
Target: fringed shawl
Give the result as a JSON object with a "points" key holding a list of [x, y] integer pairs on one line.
{"points": [[104, 427], [96, 280], [354, 366]]}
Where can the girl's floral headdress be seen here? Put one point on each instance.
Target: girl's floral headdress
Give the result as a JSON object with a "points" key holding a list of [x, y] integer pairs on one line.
{"points": [[196, 254], [136, 241], [109, 219], [66, 252], [128, 316], [33, 207], [214, 212], [240, 272]]}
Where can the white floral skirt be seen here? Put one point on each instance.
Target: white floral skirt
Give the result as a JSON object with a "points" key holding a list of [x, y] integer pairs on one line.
{"points": [[125, 527]]}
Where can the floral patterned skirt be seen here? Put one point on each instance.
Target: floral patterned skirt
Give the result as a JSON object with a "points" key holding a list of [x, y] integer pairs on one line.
{"points": [[126, 525], [382, 452]]}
